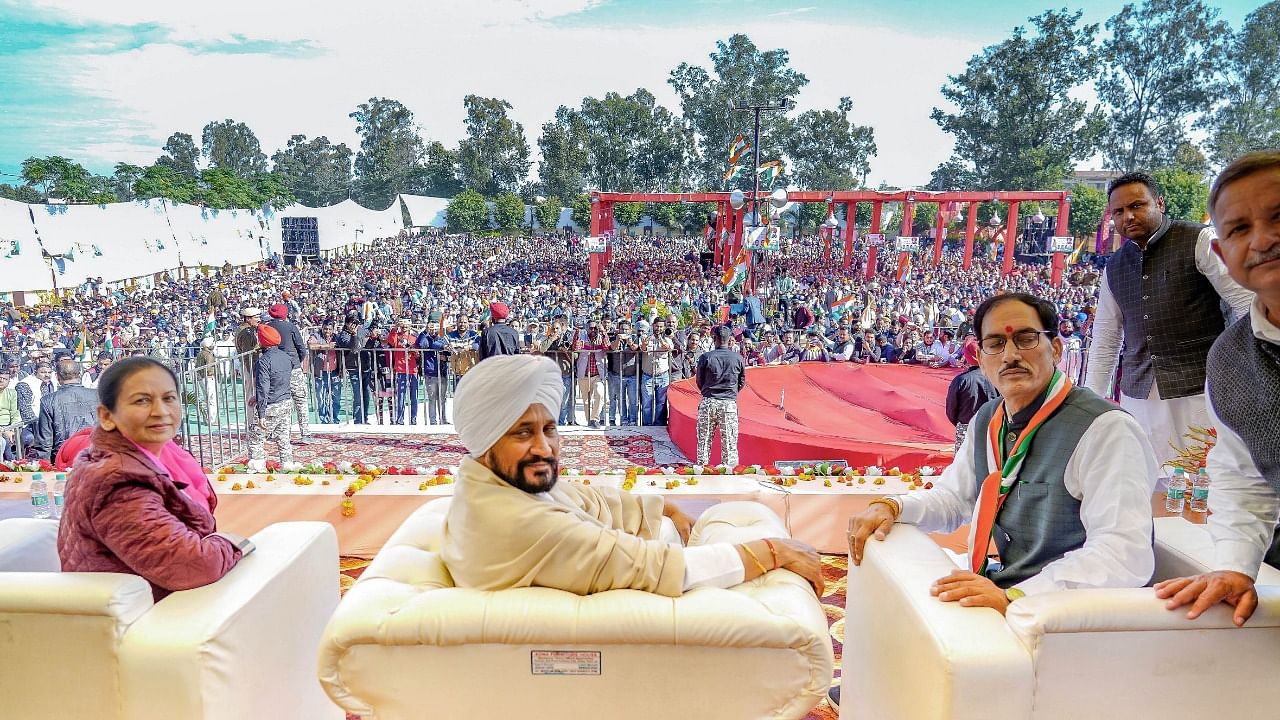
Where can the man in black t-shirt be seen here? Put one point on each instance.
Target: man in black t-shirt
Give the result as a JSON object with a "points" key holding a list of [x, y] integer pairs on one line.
{"points": [[720, 376]]}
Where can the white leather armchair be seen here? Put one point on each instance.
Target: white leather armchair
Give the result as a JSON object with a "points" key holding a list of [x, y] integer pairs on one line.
{"points": [[94, 645], [29, 545], [405, 643], [1113, 653]]}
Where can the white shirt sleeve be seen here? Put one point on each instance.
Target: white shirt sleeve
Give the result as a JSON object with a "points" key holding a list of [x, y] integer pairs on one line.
{"points": [[714, 565], [1107, 332], [1244, 507], [1212, 267], [951, 501], [1112, 473]]}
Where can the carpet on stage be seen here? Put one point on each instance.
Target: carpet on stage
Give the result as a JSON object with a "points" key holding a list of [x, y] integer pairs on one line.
{"points": [[591, 452], [835, 568], [885, 415]]}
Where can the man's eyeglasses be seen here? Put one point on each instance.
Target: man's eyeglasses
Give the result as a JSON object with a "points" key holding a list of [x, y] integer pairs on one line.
{"points": [[1023, 340]]}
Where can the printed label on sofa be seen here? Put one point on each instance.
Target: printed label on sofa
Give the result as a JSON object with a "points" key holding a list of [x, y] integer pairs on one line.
{"points": [[565, 662]]}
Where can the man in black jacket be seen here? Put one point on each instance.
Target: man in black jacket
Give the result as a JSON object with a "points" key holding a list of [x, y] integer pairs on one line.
{"points": [[499, 338], [720, 376], [349, 344], [70, 409], [271, 391], [294, 348]]}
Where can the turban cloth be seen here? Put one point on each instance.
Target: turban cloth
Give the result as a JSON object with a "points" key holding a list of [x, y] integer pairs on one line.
{"points": [[493, 395], [498, 311], [971, 353], [268, 336], [278, 311]]}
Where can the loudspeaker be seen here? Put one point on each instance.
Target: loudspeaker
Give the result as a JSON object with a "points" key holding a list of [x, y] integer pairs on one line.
{"points": [[300, 236]]}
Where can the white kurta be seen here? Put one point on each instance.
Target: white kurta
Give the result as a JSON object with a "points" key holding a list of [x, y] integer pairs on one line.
{"points": [[1245, 507], [1165, 421], [1111, 472]]}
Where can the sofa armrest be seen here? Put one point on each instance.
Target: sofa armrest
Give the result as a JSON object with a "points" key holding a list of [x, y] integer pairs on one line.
{"points": [[1124, 610], [1184, 548], [910, 656], [245, 645], [117, 595], [29, 545]]}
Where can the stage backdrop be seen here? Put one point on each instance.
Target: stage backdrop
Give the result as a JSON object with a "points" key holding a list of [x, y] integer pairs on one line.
{"points": [[886, 415]]}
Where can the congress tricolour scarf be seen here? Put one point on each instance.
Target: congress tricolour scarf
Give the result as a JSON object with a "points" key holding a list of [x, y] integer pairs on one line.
{"points": [[996, 486]]}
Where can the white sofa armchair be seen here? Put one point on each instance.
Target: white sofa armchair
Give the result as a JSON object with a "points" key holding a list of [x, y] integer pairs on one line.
{"points": [[406, 643], [1115, 653], [94, 645]]}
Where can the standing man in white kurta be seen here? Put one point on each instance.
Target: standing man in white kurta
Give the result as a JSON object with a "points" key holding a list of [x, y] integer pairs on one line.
{"points": [[1160, 308]]}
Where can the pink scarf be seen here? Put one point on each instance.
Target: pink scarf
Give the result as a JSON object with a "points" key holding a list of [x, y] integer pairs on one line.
{"points": [[180, 466]]}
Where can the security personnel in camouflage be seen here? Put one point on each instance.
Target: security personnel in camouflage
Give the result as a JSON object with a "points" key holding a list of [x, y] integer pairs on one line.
{"points": [[271, 391]]}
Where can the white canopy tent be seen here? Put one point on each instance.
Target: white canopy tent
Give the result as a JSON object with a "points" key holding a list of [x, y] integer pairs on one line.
{"points": [[117, 241], [349, 223], [22, 265], [426, 211], [213, 237]]}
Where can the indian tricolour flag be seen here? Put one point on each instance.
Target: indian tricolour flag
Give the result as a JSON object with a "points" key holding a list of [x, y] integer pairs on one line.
{"points": [[737, 149], [737, 273], [844, 306]]}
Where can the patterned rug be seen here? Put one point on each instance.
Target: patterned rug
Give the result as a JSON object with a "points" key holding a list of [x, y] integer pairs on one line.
{"points": [[594, 452], [834, 570]]}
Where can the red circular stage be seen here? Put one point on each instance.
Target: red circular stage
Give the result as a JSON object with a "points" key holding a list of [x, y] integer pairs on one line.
{"points": [[886, 415]]}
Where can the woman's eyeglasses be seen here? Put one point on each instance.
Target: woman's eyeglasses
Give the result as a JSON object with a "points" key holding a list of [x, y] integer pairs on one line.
{"points": [[1023, 340]]}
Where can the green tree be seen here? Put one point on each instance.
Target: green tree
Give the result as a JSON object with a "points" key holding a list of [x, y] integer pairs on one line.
{"points": [[316, 172], [1186, 195], [581, 206], [952, 175], [548, 213], [181, 154], [694, 216], [232, 146], [19, 193], [221, 188], [271, 189], [563, 168], [163, 181], [494, 157], [665, 214], [467, 212], [826, 150], [627, 214], [739, 71], [1158, 70], [440, 174], [57, 176], [391, 152], [508, 211], [1017, 126], [1088, 205], [1248, 116], [633, 144], [123, 180]]}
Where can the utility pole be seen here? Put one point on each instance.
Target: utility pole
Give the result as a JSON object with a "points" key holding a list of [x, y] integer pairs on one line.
{"points": [[756, 109]]}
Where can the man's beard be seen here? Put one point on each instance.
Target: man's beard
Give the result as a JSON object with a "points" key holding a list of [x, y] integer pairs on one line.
{"points": [[517, 479]]}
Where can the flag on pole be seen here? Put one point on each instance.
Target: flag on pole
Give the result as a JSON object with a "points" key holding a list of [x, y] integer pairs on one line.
{"points": [[210, 324], [1075, 255], [904, 269], [737, 273], [732, 172], [844, 305], [769, 172], [737, 149], [82, 344]]}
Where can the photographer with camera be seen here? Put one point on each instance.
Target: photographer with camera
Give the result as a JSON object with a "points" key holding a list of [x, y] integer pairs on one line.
{"points": [[591, 371], [557, 345], [655, 369], [624, 375]]}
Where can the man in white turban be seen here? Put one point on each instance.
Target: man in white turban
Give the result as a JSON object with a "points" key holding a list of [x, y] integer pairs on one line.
{"points": [[510, 523]]}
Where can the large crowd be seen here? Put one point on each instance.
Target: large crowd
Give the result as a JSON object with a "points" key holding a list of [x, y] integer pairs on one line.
{"points": [[644, 326]]}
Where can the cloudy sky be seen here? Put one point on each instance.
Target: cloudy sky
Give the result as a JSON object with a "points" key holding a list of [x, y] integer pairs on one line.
{"points": [[104, 82]]}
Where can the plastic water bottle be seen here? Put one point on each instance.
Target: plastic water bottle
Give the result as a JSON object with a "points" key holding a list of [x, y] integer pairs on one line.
{"points": [[59, 488], [1177, 497], [39, 497], [1200, 492]]}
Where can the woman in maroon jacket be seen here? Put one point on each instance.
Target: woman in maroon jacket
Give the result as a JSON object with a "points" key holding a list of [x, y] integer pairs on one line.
{"points": [[136, 502]]}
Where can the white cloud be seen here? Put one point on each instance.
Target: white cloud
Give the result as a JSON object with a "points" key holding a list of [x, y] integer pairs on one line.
{"points": [[430, 56]]}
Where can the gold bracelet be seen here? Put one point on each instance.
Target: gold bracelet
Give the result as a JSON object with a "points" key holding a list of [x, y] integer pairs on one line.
{"points": [[890, 502], [754, 558]]}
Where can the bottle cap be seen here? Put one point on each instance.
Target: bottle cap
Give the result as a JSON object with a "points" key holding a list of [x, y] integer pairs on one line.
{"points": [[37, 476]]}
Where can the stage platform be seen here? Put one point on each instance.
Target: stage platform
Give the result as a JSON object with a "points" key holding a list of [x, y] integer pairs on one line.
{"points": [[885, 415]]}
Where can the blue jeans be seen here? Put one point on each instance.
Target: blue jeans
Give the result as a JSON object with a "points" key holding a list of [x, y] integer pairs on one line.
{"points": [[359, 398], [406, 384], [653, 398], [566, 400], [622, 397], [326, 399], [434, 389]]}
